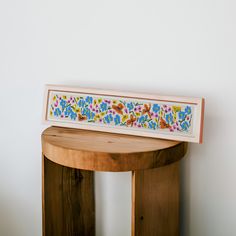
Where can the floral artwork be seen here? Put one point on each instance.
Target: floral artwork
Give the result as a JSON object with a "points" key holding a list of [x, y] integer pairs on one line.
{"points": [[114, 111]]}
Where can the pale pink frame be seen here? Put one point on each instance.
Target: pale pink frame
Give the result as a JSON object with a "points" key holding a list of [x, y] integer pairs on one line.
{"points": [[198, 102]]}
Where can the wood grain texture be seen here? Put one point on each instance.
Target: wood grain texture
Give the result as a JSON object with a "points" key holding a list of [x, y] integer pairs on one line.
{"points": [[43, 198], [70, 156], [99, 151], [155, 198], [68, 197]]}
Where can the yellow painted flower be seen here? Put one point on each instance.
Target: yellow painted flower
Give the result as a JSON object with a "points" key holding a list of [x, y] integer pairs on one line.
{"points": [[73, 107], [145, 125], [54, 98], [176, 108], [95, 102], [96, 117], [64, 97], [103, 113], [51, 113], [124, 118], [78, 110], [115, 102], [99, 100], [137, 114]]}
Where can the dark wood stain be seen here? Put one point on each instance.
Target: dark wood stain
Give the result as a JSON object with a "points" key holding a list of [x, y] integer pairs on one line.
{"points": [[156, 201], [69, 201]]}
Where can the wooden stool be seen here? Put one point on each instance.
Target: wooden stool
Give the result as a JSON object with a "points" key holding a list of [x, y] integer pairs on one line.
{"points": [[71, 155]]}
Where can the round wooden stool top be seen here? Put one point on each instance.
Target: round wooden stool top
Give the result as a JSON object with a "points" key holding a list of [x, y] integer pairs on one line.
{"points": [[100, 151]]}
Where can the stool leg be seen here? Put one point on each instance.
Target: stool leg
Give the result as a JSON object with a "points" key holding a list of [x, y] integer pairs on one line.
{"points": [[155, 201], [68, 201]]}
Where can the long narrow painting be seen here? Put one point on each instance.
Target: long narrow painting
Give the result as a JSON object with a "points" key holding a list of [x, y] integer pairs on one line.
{"points": [[165, 117]]}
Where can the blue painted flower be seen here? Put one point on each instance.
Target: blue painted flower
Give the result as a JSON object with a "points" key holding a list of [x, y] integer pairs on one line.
{"points": [[169, 118], [90, 115], [63, 103], [155, 108], [142, 119], [73, 115], [57, 112], [117, 119], [81, 103], [108, 118], [184, 125], [130, 106], [89, 99], [68, 111], [152, 125], [103, 106], [84, 111], [188, 110], [181, 115]]}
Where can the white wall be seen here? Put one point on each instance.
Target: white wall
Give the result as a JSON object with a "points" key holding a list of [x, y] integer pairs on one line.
{"points": [[168, 47]]}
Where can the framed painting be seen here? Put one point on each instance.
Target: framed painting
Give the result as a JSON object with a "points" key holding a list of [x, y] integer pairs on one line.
{"points": [[148, 115]]}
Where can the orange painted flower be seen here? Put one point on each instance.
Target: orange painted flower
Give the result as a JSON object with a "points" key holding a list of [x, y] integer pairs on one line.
{"points": [[147, 109], [118, 108], [131, 120], [163, 124]]}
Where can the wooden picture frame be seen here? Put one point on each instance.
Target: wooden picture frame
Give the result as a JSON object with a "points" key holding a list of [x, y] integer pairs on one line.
{"points": [[148, 115]]}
